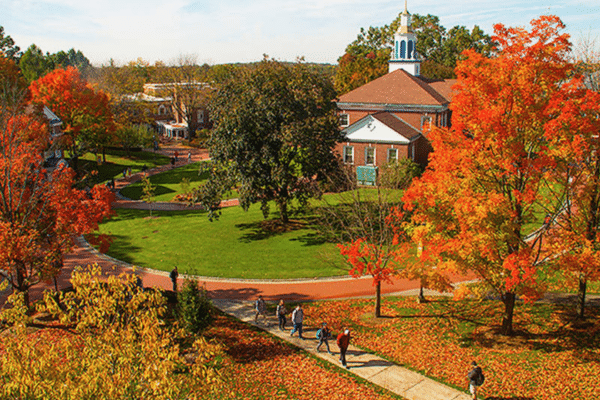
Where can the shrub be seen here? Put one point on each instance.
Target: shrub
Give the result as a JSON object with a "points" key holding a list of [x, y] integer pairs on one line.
{"points": [[106, 339], [399, 174], [194, 308]]}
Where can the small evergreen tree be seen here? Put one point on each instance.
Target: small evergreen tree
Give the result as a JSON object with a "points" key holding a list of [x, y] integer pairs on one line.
{"points": [[194, 306]]}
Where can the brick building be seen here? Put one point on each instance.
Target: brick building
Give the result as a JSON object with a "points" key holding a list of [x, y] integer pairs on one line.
{"points": [[384, 120], [174, 116]]}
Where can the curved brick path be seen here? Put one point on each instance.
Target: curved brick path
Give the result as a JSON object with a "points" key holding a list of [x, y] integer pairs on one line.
{"points": [[332, 288]]}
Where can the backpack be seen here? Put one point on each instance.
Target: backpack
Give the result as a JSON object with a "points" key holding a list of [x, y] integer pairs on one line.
{"points": [[319, 332], [479, 379]]}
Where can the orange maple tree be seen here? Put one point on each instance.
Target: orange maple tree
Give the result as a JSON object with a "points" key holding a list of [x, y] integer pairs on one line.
{"points": [[574, 235], [85, 113], [477, 199], [40, 212]]}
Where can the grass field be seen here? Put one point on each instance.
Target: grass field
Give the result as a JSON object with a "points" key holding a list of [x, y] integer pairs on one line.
{"points": [[238, 245], [117, 160], [168, 184]]}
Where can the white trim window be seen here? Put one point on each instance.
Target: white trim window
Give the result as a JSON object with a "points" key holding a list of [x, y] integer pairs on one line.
{"points": [[425, 119], [392, 155], [162, 110], [349, 154], [344, 120], [200, 116], [370, 156]]}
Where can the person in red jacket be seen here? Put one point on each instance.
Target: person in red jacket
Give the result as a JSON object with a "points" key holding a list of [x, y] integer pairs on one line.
{"points": [[343, 340]]}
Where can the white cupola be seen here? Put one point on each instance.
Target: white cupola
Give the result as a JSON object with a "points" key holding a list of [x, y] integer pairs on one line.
{"points": [[404, 53]]}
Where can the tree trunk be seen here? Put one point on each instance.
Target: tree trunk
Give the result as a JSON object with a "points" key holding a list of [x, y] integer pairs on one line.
{"points": [[21, 285], [75, 163], [283, 211], [581, 295], [104, 154], [378, 300], [421, 298], [508, 299]]}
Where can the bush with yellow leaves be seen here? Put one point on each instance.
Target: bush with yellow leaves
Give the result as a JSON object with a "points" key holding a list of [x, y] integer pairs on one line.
{"points": [[107, 340]]}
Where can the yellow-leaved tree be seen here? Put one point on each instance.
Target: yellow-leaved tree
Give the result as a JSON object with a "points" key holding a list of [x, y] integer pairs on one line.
{"points": [[107, 339]]}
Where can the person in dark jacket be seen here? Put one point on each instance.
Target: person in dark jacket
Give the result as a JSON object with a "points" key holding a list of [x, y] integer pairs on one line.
{"points": [[324, 335], [281, 312], [174, 275], [343, 340], [475, 376]]}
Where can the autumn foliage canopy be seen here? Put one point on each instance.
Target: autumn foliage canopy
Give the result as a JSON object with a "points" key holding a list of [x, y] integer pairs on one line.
{"points": [[40, 211], [489, 173]]}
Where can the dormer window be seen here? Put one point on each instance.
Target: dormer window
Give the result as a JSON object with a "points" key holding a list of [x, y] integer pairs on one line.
{"points": [[344, 120]]}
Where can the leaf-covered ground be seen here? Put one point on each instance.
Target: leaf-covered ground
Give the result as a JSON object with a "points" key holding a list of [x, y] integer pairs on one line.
{"points": [[552, 356], [260, 366]]}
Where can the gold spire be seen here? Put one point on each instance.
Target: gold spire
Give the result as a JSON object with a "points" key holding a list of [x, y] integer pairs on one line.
{"points": [[405, 20]]}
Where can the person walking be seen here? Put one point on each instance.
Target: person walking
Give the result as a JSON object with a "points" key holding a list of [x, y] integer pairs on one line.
{"points": [[260, 308], [297, 318], [174, 275], [323, 335], [189, 157], [476, 379], [280, 313], [343, 341]]}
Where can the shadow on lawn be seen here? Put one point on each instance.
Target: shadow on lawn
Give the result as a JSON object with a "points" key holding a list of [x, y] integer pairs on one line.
{"points": [[135, 191], [122, 248], [548, 328], [265, 229]]}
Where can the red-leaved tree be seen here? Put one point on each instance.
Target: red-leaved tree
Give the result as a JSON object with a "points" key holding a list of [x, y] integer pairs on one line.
{"points": [[85, 113], [40, 214]]}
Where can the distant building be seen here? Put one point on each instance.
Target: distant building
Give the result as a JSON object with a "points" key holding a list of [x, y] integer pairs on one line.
{"points": [[53, 155], [384, 120], [168, 110]]}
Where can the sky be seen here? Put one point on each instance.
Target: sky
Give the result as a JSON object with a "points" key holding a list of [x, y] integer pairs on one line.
{"points": [[226, 31]]}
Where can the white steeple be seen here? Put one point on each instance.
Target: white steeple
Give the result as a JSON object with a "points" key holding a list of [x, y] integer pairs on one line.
{"points": [[404, 54]]}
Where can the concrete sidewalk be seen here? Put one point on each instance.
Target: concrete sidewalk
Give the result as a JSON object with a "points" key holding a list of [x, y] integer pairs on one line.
{"points": [[401, 381]]}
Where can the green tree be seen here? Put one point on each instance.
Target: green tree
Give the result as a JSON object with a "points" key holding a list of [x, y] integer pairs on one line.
{"points": [[71, 58], [366, 58], [8, 47], [275, 132], [194, 308], [33, 63]]}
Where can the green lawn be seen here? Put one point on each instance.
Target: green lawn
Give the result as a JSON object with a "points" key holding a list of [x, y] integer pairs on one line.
{"points": [[235, 246], [117, 160], [168, 184]]}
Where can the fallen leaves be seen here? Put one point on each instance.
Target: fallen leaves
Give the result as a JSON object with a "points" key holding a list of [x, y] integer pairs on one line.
{"points": [[547, 359]]}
